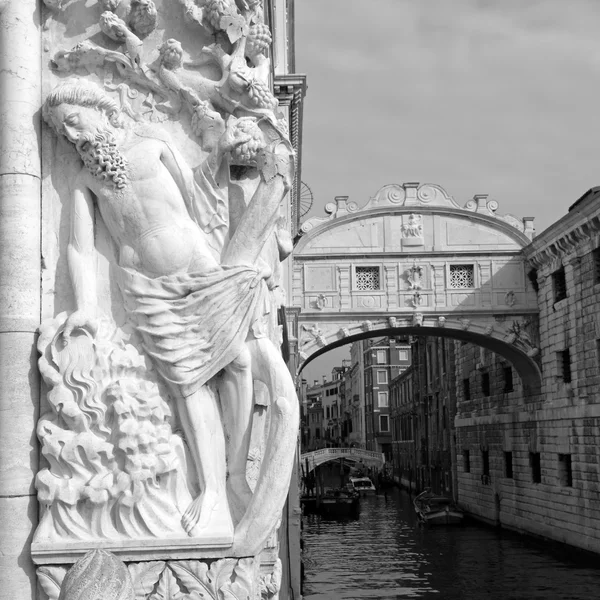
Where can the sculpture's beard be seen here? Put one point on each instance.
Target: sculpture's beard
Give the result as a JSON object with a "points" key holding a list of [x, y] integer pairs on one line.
{"points": [[102, 158]]}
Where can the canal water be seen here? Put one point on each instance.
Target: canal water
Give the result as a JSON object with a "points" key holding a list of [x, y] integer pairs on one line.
{"points": [[385, 555]]}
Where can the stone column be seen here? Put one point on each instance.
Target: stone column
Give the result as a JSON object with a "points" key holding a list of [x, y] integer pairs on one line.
{"points": [[20, 272]]}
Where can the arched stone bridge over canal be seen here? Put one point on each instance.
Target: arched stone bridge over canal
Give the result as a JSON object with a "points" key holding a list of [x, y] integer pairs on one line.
{"points": [[412, 261], [324, 455]]}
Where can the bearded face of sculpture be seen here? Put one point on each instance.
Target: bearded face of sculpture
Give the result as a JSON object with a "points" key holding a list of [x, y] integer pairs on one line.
{"points": [[94, 138], [77, 123]]}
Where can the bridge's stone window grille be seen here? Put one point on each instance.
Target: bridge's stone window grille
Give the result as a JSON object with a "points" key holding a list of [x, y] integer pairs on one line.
{"points": [[565, 471], [367, 279], [535, 462], [508, 465], [559, 284], [564, 365], [466, 461], [462, 276]]}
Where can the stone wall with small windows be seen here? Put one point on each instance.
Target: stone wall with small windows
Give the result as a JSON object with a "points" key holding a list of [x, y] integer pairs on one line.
{"points": [[413, 262], [532, 463]]}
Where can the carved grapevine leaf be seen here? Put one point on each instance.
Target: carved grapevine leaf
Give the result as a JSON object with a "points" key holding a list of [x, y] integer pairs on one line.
{"points": [[235, 27], [220, 573], [193, 575], [271, 165], [167, 588], [144, 576], [241, 588], [214, 583], [50, 580]]}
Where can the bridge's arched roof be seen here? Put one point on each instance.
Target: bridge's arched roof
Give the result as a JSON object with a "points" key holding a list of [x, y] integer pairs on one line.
{"points": [[426, 200]]}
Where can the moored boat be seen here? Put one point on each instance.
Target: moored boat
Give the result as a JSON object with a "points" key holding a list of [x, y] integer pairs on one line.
{"points": [[339, 502], [362, 485], [437, 510]]}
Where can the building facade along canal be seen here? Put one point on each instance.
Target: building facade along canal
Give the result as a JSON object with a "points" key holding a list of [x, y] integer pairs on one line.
{"points": [[413, 262]]}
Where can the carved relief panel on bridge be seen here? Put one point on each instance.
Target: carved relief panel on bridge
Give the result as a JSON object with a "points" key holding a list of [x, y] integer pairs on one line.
{"points": [[412, 230]]}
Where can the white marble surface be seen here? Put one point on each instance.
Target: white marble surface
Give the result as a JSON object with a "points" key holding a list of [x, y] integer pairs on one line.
{"points": [[163, 216]]}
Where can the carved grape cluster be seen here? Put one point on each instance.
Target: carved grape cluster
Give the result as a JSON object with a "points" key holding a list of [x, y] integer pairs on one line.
{"points": [[260, 95], [246, 153], [215, 10], [259, 39]]}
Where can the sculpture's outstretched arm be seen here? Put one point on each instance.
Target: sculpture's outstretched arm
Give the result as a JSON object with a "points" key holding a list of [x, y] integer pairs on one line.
{"points": [[260, 217], [179, 171], [81, 255]]}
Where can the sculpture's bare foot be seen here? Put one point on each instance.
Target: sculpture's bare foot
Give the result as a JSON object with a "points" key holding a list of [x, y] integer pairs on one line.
{"points": [[239, 494], [208, 514]]}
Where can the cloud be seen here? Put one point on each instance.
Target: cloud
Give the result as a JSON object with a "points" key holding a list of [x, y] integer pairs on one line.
{"points": [[477, 96]]}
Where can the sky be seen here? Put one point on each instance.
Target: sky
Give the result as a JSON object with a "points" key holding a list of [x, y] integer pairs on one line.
{"points": [[478, 96]]}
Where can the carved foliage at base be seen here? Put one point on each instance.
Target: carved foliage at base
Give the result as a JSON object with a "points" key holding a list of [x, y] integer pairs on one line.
{"points": [[100, 575], [115, 468]]}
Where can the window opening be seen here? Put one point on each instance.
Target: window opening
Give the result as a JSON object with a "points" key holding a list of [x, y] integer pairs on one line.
{"points": [[559, 284], [367, 278], [535, 462], [466, 461], [596, 258], [508, 379], [467, 389], [565, 471], [508, 465], [485, 462], [565, 365], [485, 384], [533, 278], [462, 276]]}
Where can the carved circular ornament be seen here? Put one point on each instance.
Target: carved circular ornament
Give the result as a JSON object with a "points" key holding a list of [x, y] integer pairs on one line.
{"points": [[395, 195], [426, 193]]}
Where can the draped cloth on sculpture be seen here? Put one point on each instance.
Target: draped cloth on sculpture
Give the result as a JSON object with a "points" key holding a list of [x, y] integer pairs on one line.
{"points": [[194, 324]]}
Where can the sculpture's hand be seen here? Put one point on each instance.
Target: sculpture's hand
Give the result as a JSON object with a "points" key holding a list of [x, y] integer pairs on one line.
{"points": [[85, 318], [266, 273]]}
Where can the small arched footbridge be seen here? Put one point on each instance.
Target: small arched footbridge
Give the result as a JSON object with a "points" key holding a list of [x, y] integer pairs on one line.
{"points": [[319, 457]]}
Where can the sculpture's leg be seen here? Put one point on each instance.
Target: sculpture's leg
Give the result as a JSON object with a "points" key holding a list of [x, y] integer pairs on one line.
{"points": [[237, 404], [273, 483], [201, 421]]}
